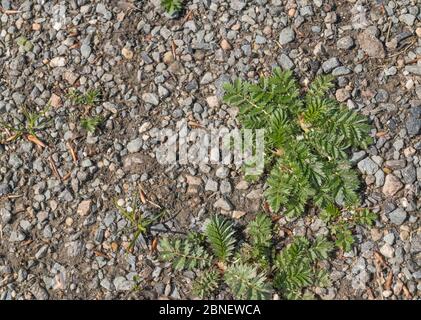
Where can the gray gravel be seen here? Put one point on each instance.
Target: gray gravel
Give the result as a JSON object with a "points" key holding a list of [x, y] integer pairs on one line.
{"points": [[154, 71]]}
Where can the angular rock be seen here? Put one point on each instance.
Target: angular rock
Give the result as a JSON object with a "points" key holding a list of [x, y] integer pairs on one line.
{"points": [[4, 189], [415, 69], [127, 53], [102, 9], [238, 214], [387, 250], [372, 46], [122, 284], [150, 98], [237, 5], [55, 101], [368, 166], [409, 174], [225, 187], [413, 123], [330, 64], [287, 35], [225, 45], [391, 185], [192, 180], [70, 77], [134, 145], [407, 18], [39, 292], [85, 50], [398, 216], [58, 62], [84, 207], [137, 162], [211, 185], [395, 164], [223, 204], [345, 43], [285, 62], [212, 101], [379, 178]]}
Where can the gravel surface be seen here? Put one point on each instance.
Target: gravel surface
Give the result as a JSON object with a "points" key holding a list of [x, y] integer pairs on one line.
{"points": [[61, 235]]}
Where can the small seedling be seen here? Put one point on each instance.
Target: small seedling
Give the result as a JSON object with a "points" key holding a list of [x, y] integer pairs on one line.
{"points": [[75, 96], [25, 44], [139, 223], [341, 227], [90, 98], [90, 124], [137, 283], [33, 122], [171, 6]]}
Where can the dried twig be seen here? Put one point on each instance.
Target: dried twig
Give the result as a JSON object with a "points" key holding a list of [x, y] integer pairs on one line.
{"points": [[67, 176], [389, 280], [36, 141], [194, 125], [188, 16], [72, 152], [154, 204], [142, 195], [54, 168], [144, 199], [379, 259], [154, 244], [173, 48], [379, 262], [388, 31], [2, 10], [406, 292], [11, 196], [370, 294], [403, 51]]}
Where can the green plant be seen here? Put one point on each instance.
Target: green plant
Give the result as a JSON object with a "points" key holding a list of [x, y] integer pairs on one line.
{"points": [[25, 44], [90, 98], [306, 142], [138, 222], [296, 266], [343, 235], [184, 254], [33, 122], [137, 286], [341, 226], [75, 96], [253, 268], [206, 283], [364, 217], [171, 6], [220, 235], [246, 282], [90, 124], [259, 246]]}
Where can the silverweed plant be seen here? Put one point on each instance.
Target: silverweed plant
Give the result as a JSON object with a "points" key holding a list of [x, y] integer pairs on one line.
{"points": [[251, 269], [307, 142]]}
